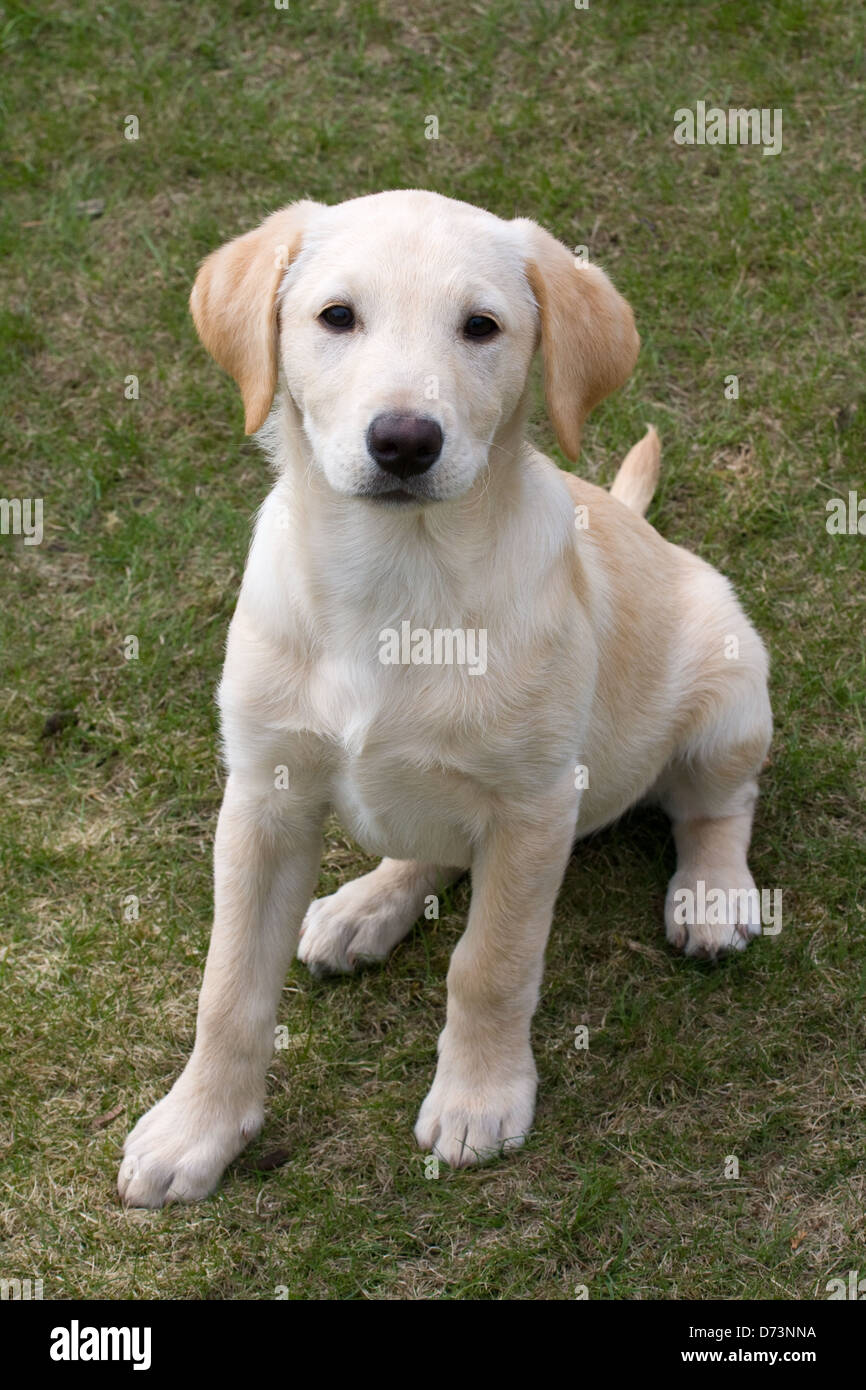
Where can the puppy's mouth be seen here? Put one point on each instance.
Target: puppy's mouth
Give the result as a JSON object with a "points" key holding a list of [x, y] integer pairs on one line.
{"points": [[395, 495]]}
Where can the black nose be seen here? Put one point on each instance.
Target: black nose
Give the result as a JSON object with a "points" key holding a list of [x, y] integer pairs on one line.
{"points": [[404, 444]]}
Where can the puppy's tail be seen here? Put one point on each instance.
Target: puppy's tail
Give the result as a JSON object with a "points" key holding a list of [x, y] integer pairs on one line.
{"points": [[638, 473]]}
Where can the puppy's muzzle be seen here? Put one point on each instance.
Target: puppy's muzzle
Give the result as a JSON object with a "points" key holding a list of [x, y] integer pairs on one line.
{"points": [[404, 445]]}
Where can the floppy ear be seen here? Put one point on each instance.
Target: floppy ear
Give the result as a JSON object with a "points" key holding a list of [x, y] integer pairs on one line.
{"points": [[588, 338], [233, 304]]}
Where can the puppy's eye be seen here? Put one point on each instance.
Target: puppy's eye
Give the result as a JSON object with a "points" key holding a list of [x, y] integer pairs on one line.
{"points": [[480, 326], [338, 316]]}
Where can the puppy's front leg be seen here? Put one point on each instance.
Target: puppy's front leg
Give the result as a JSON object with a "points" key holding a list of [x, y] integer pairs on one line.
{"points": [[266, 858], [483, 1096]]}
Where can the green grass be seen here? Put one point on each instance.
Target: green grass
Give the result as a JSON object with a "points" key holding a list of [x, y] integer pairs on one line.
{"points": [[734, 263]]}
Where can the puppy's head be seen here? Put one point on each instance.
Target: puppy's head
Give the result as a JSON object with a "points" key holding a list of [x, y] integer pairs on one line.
{"points": [[404, 324]]}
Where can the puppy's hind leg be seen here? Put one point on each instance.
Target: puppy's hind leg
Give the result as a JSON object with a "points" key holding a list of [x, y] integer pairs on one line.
{"points": [[365, 919], [709, 790]]}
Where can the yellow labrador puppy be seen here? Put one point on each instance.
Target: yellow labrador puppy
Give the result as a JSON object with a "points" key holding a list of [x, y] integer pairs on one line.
{"points": [[469, 655]]}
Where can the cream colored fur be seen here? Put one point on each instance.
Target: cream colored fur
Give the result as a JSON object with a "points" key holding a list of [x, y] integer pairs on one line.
{"points": [[608, 648]]}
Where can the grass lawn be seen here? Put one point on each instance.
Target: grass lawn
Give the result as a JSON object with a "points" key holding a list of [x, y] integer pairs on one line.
{"points": [[736, 263]]}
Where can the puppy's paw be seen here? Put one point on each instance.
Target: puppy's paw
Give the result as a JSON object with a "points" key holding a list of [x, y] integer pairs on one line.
{"points": [[179, 1150], [353, 927], [466, 1122], [708, 914]]}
